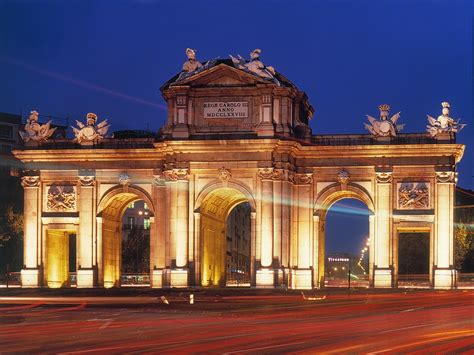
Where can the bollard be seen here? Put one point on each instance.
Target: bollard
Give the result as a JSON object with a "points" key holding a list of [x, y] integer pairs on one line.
{"points": [[191, 299]]}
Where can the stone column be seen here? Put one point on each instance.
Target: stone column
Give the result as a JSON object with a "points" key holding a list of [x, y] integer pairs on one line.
{"points": [[303, 274], [444, 273], [253, 246], [99, 243], [285, 225], [31, 243], [85, 237], [158, 233], [316, 270], [381, 244], [371, 249], [179, 221], [265, 274]]}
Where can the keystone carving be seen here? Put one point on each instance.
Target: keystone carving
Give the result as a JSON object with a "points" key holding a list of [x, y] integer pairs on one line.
{"points": [[224, 174], [343, 177], [124, 179]]}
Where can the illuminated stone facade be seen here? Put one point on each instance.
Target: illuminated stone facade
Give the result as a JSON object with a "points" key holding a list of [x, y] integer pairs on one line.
{"points": [[232, 136]]}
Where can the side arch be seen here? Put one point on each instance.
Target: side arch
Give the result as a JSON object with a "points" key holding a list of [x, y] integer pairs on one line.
{"points": [[131, 192], [232, 184], [329, 196], [333, 193]]}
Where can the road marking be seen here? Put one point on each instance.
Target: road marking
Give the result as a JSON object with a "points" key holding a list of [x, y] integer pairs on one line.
{"points": [[405, 328], [411, 309], [264, 348]]}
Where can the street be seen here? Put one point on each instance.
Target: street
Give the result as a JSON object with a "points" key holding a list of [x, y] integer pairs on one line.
{"points": [[431, 321]]}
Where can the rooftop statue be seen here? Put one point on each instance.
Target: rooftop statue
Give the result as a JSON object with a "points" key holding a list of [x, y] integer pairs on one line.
{"points": [[255, 65], [35, 131], [192, 63], [444, 123], [90, 131], [384, 127]]}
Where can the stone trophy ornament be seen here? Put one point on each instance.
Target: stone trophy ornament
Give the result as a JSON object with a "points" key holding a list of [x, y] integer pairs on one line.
{"points": [[384, 127], [90, 131], [444, 123], [413, 196], [255, 66], [35, 131], [61, 199]]}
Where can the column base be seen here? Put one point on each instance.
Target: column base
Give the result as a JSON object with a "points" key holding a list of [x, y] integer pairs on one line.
{"points": [[302, 279], [29, 278], [157, 278], [265, 278], [179, 278], [383, 278], [85, 278], [444, 279]]}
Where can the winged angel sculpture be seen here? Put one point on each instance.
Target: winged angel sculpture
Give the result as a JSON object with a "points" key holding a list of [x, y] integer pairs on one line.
{"points": [[444, 123], [384, 127], [35, 131], [90, 131]]}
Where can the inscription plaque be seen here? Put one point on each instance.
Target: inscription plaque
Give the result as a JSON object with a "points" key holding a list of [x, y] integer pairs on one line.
{"points": [[232, 109]]}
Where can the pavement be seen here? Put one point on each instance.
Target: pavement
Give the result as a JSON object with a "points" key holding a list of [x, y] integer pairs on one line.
{"points": [[236, 321]]}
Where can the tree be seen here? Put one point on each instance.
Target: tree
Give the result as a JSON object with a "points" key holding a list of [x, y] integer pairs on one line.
{"points": [[463, 245], [11, 240]]}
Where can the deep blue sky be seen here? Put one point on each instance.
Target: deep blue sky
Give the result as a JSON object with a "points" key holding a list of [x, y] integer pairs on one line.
{"points": [[67, 58]]}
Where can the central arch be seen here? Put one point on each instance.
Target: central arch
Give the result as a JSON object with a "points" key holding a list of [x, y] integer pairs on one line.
{"points": [[111, 209], [325, 200], [215, 208]]}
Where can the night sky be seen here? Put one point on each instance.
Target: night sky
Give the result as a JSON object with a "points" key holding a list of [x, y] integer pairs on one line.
{"points": [[67, 58]]}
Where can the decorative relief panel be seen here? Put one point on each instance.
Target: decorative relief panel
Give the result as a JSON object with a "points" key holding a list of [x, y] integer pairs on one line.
{"points": [[413, 195], [61, 198]]}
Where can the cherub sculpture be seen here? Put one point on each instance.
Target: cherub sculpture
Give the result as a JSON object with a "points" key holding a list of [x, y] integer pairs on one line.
{"points": [[255, 65], [384, 127], [35, 131], [90, 131], [444, 123]]}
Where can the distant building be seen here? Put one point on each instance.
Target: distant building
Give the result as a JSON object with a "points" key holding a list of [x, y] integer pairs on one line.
{"points": [[339, 264], [238, 245], [137, 215]]}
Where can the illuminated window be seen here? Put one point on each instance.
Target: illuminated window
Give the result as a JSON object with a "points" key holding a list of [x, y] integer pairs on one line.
{"points": [[131, 222], [131, 205], [146, 223], [145, 206]]}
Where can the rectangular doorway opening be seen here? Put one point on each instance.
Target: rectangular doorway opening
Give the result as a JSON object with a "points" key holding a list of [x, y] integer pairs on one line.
{"points": [[413, 259]]}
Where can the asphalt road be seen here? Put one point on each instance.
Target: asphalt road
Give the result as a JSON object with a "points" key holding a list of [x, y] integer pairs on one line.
{"points": [[426, 321]]}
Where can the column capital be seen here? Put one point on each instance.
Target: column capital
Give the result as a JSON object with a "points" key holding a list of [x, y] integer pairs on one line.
{"points": [[446, 176], [30, 181], [383, 177], [300, 179], [176, 174]]}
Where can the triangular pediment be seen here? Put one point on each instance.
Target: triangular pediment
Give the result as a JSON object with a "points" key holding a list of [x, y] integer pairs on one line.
{"points": [[222, 74]]}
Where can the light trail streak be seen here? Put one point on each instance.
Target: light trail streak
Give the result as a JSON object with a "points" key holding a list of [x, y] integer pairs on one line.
{"points": [[80, 83]]}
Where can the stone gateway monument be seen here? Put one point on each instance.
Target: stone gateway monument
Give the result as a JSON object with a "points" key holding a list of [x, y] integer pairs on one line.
{"points": [[237, 131]]}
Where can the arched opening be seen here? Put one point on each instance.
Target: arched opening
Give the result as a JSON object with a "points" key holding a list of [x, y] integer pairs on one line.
{"points": [[225, 238], [126, 225], [345, 231], [347, 244]]}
